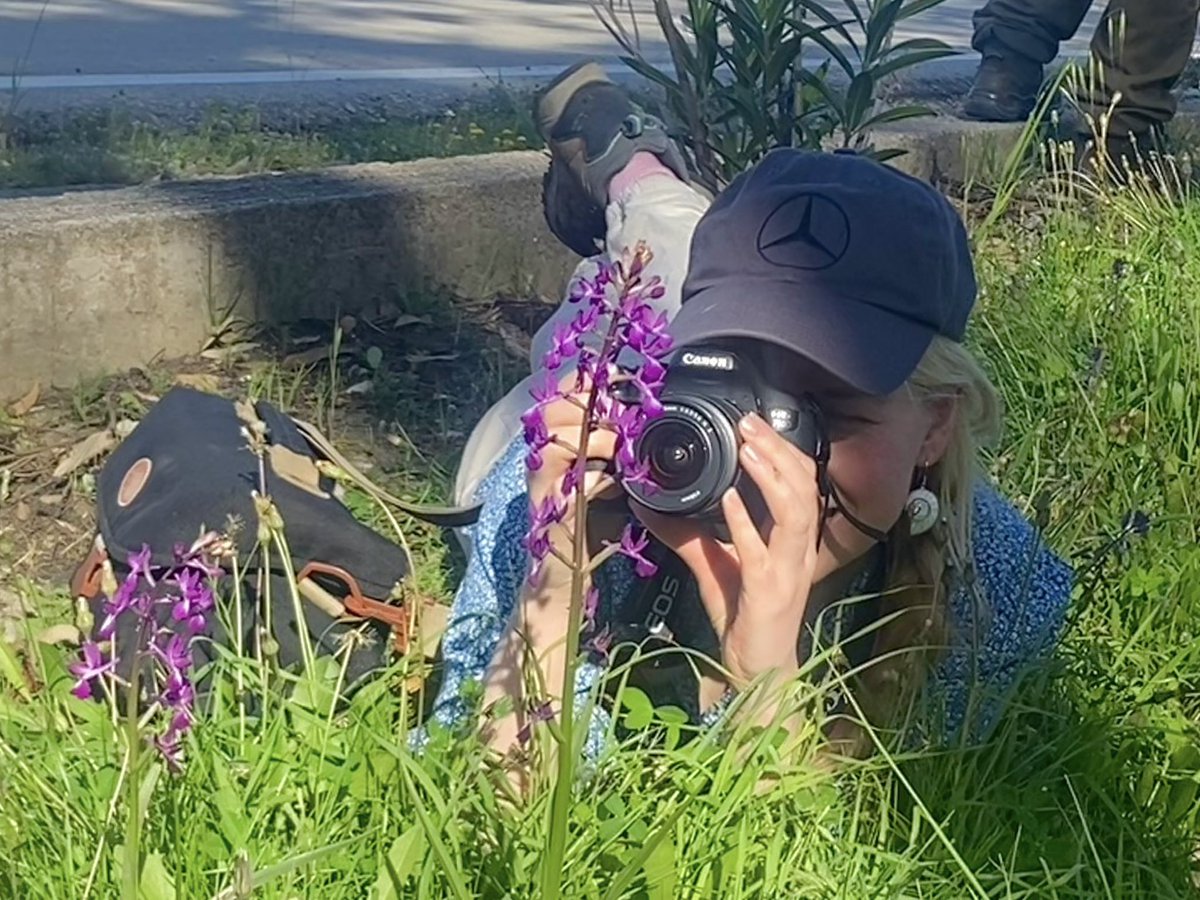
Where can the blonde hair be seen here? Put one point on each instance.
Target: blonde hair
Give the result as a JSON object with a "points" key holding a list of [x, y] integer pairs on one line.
{"points": [[921, 570]]}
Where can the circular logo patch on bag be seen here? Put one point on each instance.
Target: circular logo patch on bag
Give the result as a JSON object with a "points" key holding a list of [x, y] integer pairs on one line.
{"points": [[135, 479]]}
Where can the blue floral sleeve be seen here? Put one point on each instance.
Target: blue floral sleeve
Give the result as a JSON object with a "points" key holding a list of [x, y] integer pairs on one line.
{"points": [[488, 593], [1002, 625]]}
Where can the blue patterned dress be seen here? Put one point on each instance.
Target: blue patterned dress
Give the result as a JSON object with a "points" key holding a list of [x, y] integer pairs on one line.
{"points": [[1006, 622]]}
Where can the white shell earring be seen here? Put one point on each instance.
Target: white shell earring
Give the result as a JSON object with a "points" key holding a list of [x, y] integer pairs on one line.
{"points": [[922, 506]]}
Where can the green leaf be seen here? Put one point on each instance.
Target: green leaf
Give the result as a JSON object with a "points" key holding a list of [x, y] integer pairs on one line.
{"points": [[408, 770], [826, 43], [638, 863], [822, 88], [879, 27], [639, 712], [647, 71], [400, 864], [1178, 398], [304, 859], [916, 7], [230, 807], [832, 23], [885, 155], [155, 883], [913, 44], [852, 5], [10, 671], [859, 98], [147, 786], [660, 870], [904, 61], [895, 114], [374, 357]]}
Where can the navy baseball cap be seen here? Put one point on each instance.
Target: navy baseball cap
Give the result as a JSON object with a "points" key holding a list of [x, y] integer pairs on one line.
{"points": [[843, 260]]}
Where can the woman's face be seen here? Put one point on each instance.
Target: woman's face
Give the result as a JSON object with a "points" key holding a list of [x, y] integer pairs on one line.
{"points": [[876, 444]]}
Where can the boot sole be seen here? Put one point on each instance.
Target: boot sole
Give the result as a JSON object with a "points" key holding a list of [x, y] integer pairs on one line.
{"points": [[986, 109], [578, 223]]}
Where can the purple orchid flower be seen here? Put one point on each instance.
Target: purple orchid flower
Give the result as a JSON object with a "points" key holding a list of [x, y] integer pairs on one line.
{"points": [[122, 600], [87, 671], [634, 541], [537, 542], [186, 613], [542, 712], [177, 692], [564, 344], [195, 601], [537, 437], [140, 566], [599, 646], [618, 319], [174, 653]]}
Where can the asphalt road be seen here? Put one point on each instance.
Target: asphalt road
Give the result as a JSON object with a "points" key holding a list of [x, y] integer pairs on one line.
{"points": [[115, 43]]}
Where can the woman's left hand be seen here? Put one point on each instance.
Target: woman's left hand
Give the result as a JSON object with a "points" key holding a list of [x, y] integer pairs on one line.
{"points": [[756, 588]]}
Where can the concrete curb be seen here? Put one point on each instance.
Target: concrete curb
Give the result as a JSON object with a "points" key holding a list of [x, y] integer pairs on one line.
{"points": [[98, 281]]}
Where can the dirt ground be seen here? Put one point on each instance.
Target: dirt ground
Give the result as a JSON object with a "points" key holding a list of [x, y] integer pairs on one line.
{"points": [[400, 402]]}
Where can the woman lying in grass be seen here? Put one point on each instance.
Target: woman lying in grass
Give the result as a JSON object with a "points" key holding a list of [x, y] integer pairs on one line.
{"points": [[844, 282]]}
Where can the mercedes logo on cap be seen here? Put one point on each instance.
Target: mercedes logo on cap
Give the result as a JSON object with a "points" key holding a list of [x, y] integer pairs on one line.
{"points": [[806, 231]]}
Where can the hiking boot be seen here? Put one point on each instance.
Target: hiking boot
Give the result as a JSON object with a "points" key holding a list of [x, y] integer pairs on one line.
{"points": [[593, 127], [1005, 89]]}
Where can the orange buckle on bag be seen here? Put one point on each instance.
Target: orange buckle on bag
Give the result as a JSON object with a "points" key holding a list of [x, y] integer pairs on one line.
{"points": [[361, 606], [88, 578]]}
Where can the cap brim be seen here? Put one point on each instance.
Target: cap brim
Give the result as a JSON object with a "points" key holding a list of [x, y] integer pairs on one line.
{"points": [[871, 349]]}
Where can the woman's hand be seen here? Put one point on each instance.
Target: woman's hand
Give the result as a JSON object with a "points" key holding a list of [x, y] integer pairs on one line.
{"points": [[756, 589]]}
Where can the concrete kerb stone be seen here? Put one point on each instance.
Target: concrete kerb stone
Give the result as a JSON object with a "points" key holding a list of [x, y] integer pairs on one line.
{"points": [[944, 149], [97, 281]]}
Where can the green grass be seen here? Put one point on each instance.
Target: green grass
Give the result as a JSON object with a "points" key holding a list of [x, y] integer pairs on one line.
{"points": [[1090, 323], [113, 147]]}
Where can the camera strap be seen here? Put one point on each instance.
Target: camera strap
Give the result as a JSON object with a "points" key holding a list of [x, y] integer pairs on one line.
{"points": [[832, 503]]}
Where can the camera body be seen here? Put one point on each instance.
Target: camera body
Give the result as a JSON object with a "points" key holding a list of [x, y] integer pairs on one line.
{"points": [[692, 448]]}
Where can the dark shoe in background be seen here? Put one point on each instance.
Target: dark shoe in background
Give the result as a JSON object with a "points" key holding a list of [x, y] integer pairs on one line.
{"points": [[1005, 89]]}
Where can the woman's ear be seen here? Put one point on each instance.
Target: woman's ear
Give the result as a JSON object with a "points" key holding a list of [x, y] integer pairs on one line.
{"points": [[943, 415]]}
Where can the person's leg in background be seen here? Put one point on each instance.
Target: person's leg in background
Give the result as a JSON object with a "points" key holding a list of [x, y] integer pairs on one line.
{"points": [[1016, 40], [637, 178], [1139, 50]]}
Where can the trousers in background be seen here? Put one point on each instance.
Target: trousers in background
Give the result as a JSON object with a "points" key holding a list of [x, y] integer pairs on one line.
{"points": [[1140, 46]]}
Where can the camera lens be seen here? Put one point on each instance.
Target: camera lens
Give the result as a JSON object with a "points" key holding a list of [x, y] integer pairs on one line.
{"points": [[675, 452]]}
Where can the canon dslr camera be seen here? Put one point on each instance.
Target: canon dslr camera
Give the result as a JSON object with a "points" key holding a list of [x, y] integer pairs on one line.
{"points": [[692, 448]]}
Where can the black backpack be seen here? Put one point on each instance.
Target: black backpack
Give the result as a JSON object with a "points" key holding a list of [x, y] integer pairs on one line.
{"points": [[188, 467]]}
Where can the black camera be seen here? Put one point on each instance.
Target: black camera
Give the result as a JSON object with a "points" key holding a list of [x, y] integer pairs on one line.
{"points": [[691, 450]]}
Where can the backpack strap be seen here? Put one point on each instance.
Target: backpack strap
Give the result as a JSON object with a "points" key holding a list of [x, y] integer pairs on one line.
{"points": [[444, 516]]}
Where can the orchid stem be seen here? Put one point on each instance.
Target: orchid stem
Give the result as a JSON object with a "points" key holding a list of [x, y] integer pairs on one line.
{"points": [[567, 445], [131, 850], [560, 805], [602, 557]]}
